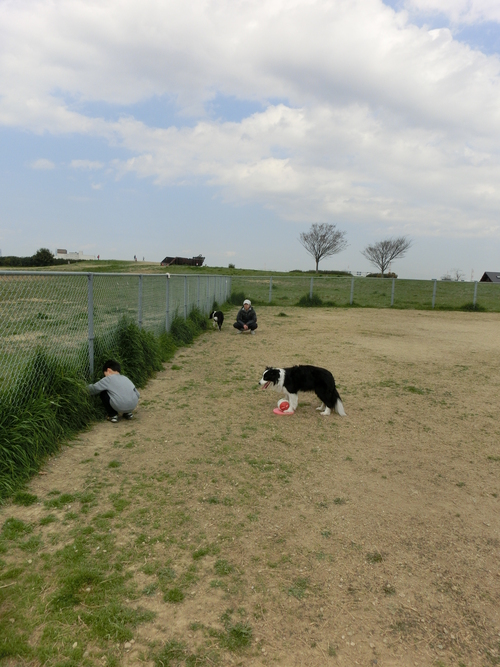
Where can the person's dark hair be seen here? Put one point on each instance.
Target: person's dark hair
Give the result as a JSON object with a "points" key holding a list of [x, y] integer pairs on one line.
{"points": [[114, 365]]}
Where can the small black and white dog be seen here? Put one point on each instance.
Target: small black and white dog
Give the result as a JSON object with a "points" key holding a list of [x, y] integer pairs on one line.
{"points": [[218, 317], [305, 378]]}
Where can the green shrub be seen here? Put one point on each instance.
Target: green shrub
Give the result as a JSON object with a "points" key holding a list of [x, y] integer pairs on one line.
{"points": [[167, 346], [471, 307], [139, 352], [237, 298], [181, 332], [198, 319], [310, 302]]}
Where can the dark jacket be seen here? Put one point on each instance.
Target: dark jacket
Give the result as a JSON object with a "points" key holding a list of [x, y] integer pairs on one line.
{"points": [[246, 316]]}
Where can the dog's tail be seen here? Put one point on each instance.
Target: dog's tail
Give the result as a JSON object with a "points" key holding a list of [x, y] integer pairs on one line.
{"points": [[339, 407]]}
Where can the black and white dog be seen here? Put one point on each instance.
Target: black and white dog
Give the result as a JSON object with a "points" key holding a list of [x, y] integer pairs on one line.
{"points": [[218, 317], [304, 378]]}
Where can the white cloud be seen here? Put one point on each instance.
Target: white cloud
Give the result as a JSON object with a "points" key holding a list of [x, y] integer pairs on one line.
{"points": [[343, 164], [380, 122], [42, 164], [86, 164], [460, 11]]}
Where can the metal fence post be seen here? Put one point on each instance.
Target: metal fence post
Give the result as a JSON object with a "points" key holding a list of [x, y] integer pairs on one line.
{"points": [[392, 292], [185, 297], [90, 306], [230, 286], [434, 292], [475, 294], [352, 292], [311, 289], [139, 309], [167, 308], [270, 288], [198, 293]]}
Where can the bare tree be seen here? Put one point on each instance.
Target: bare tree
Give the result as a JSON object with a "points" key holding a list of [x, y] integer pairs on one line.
{"points": [[382, 253], [454, 274], [323, 240]]}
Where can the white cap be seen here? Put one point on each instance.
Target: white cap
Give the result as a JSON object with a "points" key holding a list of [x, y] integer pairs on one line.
{"points": [[247, 301]]}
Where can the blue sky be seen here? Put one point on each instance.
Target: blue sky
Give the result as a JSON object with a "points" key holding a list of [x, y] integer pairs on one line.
{"points": [[227, 128]]}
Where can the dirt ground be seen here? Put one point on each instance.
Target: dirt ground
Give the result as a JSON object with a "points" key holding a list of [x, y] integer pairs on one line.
{"points": [[371, 539]]}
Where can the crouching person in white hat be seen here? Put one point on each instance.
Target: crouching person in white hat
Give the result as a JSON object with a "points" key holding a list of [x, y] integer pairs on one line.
{"points": [[246, 320]]}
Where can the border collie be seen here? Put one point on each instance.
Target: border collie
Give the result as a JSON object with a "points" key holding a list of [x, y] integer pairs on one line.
{"points": [[218, 317], [304, 378]]}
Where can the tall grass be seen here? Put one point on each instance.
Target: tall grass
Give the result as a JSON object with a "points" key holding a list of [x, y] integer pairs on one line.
{"points": [[57, 405]]}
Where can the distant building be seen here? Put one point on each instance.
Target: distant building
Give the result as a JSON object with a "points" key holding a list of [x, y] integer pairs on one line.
{"points": [[186, 261], [62, 253], [490, 277]]}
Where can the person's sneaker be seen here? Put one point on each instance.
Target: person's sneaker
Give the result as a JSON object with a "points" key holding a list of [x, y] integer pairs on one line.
{"points": [[128, 415], [113, 419], [253, 333]]}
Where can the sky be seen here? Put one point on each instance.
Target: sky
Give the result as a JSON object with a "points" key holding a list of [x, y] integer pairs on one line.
{"points": [[227, 127]]}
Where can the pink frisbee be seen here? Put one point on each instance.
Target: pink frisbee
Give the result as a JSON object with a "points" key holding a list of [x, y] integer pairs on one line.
{"points": [[277, 411]]}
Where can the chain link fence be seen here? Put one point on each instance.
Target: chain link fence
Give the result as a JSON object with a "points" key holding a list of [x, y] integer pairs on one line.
{"points": [[369, 292], [62, 314]]}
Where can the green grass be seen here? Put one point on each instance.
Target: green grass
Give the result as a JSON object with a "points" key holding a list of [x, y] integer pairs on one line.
{"points": [[328, 291], [298, 588], [374, 557], [24, 498], [289, 287], [54, 404]]}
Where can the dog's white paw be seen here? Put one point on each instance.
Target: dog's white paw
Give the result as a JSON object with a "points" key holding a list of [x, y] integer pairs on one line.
{"points": [[326, 412]]}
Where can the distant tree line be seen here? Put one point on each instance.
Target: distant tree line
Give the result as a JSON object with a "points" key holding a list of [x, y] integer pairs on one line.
{"points": [[42, 257]]}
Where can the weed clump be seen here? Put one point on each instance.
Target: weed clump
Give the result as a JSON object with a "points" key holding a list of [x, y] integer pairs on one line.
{"points": [[473, 307], [12, 529], [24, 498], [374, 557], [308, 301]]}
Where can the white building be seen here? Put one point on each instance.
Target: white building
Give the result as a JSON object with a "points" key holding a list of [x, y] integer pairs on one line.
{"points": [[62, 253]]}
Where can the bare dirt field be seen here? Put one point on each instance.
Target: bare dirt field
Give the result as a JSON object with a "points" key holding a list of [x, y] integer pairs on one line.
{"points": [[371, 539]]}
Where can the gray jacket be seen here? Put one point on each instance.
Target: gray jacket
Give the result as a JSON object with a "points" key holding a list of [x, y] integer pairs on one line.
{"points": [[123, 396]]}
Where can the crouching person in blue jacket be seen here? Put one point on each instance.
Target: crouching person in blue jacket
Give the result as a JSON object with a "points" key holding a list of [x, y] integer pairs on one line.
{"points": [[116, 391]]}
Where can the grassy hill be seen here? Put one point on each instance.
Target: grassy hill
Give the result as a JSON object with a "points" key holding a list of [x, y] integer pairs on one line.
{"points": [[122, 266]]}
